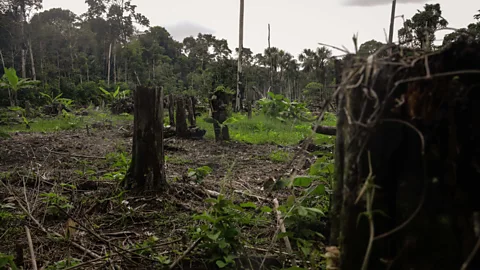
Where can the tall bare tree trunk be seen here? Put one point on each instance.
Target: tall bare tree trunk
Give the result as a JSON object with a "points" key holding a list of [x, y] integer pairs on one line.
{"points": [[109, 63], [271, 62], [32, 61], [114, 65], [240, 86], [24, 49]]}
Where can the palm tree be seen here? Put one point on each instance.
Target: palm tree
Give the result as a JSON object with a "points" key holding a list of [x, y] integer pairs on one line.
{"points": [[314, 62]]}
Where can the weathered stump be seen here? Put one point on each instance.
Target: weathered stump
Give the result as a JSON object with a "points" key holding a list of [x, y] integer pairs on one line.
{"points": [[412, 128], [191, 112], [147, 170], [171, 110], [220, 101], [181, 121]]}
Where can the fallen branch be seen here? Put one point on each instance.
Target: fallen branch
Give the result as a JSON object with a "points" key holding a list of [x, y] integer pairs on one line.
{"points": [[216, 194], [40, 226], [185, 253], [30, 248], [74, 155], [326, 130], [281, 225]]}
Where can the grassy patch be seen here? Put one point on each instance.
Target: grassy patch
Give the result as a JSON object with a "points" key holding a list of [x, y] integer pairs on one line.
{"points": [[66, 122], [280, 156], [264, 130]]}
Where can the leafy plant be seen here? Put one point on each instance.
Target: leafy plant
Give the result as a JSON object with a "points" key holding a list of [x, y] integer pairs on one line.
{"points": [[11, 82], [199, 173], [63, 264], [117, 94], [6, 262], [280, 156], [57, 99], [281, 108], [120, 162], [53, 200], [221, 231]]}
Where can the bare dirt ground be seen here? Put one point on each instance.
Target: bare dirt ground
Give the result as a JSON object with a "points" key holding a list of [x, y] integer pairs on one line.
{"points": [[108, 222]]}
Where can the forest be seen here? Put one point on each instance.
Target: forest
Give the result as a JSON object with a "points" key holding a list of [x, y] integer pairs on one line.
{"points": [[123, 148]]}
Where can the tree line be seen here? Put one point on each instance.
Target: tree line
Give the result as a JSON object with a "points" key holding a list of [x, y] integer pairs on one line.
{"points": [[75, 54]]}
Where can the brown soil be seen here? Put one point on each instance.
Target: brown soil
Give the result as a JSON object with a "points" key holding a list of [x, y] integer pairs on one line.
{"points": [[32, 164]]}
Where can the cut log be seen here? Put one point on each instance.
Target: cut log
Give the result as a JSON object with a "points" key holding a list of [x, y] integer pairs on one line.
{"points": [[326, 130]]}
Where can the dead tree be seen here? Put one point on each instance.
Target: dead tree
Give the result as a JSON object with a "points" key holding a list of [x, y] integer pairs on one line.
{"points": [[219, 102], [171, 110], [181, 121], [191, 112], [407, 152], [147, 170]]}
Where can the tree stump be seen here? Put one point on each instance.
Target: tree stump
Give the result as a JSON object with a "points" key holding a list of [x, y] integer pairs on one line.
{"points": [[220, 101], [181, 121], [147, 170], [191, 112], [171, 110], [416, 137]]}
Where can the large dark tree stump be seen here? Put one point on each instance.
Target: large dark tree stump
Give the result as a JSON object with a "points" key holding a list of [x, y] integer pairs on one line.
{"points": [[220, 101], [147, 170], [421, 131], [181, 121]]}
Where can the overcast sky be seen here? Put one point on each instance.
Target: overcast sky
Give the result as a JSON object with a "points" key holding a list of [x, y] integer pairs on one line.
{"points": [[295, 25]]}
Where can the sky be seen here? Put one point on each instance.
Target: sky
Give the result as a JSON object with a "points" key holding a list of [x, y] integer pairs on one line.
{"points": [[295, 25]]}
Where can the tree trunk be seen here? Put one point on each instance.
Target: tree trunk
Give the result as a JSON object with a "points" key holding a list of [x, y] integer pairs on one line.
{"points": [[109, 63], [171, 109], [240, 86], [326, 130], [181, 121], [3, 61], [147, 170], [419, 159], [114, 66], [191, 113], [32, 61], [23, 38], [219, 103]]}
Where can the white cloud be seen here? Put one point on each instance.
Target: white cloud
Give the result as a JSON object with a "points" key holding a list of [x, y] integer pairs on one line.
{"points": [[184, 29]]}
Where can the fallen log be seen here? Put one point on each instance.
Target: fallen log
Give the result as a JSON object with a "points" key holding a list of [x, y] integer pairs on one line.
{"points": [[326, 130]]}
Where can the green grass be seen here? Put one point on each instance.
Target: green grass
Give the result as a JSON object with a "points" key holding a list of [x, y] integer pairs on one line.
{"points": [[70, 121], [280, 156], [263, 130]]}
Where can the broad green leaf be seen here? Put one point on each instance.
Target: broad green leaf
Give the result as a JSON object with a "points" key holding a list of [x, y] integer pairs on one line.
{"points": [[115, 94], [315, 210], [266, 209], [248, 205], [270, 94], [302, 181], [318, 190], [214, 237], [105, 92], [230, 120], [221, 264], [302, 211]]}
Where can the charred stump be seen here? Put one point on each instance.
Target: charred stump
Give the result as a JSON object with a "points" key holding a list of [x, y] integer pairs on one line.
{"points": [[220, 102], [171, 110], [181, 121], [147, 170], [411, 130], [191, 112]]}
